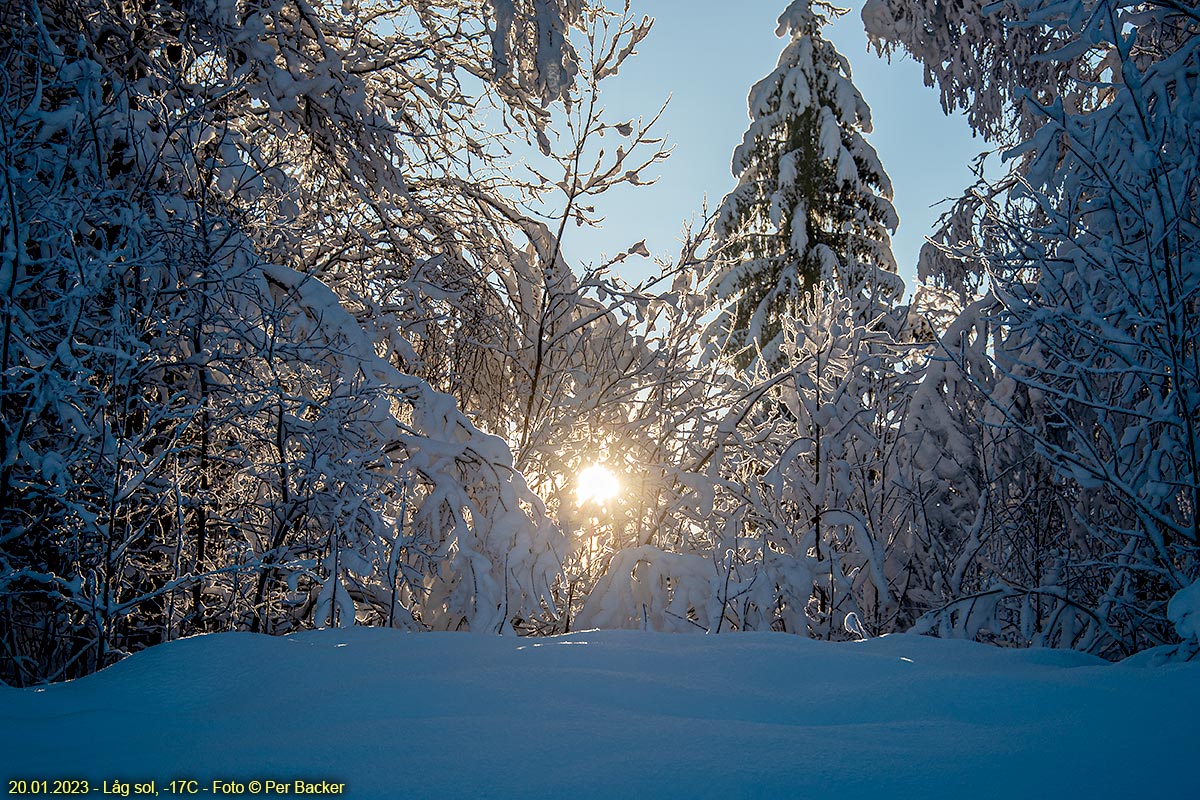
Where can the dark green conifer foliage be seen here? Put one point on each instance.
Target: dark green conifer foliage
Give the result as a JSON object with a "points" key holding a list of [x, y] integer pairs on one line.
{"points": [[812, 207]]}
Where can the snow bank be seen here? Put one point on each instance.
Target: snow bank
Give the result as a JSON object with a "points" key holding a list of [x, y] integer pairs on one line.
{"points": [[616, 714], [1184, 612]]}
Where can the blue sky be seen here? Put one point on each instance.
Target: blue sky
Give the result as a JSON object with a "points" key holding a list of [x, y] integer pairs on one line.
{"points": [[706, 54]]}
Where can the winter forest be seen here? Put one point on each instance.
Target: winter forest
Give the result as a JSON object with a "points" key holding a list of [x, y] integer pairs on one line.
{"points": [[289, 338]]}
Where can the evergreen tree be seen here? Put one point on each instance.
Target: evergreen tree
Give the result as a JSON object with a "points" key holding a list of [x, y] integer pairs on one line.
{"points": [[812, 206]]}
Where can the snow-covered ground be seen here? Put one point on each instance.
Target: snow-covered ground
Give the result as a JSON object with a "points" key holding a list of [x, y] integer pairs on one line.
{"points": [[617, 714]]}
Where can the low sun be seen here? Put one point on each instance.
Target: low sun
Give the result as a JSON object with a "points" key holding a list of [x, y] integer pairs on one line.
{"points": [[596, 484]]}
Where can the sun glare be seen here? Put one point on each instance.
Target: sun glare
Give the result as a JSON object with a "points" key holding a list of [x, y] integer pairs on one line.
{"points": [[596, 484]]}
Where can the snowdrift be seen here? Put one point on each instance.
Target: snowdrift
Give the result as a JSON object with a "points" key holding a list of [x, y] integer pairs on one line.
{"points": [[615, 714]]}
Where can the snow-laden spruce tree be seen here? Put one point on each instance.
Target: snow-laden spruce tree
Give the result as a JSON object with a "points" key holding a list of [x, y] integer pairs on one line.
{"points": [[792, 477], [812, 209], [786, 514]]}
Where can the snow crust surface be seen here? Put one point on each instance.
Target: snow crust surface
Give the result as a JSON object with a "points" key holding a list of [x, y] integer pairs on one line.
{"points": [[617, 714]]}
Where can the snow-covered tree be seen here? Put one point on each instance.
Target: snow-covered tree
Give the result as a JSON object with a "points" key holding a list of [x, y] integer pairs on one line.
{"points": [[780, 510], [1100, 290], [1089, 249], [197, 433], [985, 58], [812, 205], [828, 488]]}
